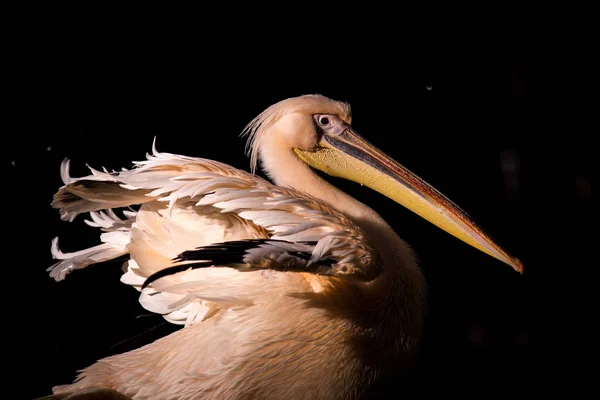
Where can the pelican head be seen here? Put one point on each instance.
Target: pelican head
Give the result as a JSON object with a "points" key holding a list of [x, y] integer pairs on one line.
{"points": [[318, 131]]}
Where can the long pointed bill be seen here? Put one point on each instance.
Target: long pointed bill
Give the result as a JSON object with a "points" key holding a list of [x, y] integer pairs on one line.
{"points": [[351, 157]]}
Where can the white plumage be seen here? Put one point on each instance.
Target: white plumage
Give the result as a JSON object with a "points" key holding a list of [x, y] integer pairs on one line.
{"points": [[189, 203], [290, 289]]}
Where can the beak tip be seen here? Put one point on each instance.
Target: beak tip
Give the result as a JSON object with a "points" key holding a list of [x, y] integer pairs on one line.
{"points": [[518, 265]]}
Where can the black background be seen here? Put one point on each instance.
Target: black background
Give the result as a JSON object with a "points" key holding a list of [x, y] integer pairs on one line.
{"points": [[499, 133]]}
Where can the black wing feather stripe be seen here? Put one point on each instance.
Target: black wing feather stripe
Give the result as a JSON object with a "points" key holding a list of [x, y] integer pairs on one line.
{"points": [[174, 270], [231, 253]]}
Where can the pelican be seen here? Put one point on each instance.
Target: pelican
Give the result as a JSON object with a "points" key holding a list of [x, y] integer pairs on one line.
{"points": [[286, 289]]}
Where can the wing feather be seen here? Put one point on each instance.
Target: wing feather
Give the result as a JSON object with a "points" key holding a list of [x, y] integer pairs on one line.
{"points": [[187, 203]]}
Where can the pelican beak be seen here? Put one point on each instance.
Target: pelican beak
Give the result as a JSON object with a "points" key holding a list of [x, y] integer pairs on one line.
{"points": [[349, 156]]}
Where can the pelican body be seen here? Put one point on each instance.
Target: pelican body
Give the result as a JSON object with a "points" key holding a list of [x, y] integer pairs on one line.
{"points": [[288, 288]]}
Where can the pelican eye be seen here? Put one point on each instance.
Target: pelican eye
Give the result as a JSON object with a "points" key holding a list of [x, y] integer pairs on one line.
{"points": [[324, 120]]}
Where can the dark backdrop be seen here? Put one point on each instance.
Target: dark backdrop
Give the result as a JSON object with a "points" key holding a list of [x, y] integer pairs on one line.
{"points": [[477, 128]]}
